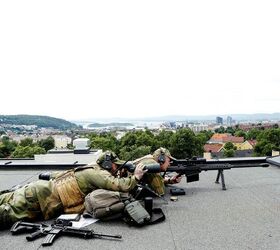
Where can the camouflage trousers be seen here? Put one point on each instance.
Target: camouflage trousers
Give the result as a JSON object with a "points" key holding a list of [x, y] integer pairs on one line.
{"points": [[21, 204]]}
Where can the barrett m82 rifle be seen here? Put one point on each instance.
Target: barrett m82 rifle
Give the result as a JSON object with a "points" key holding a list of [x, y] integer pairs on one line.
{"points": [[191, 168]]}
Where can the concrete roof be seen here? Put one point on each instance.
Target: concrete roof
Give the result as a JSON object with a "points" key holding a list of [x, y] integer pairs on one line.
{"points": [[245, 216]]}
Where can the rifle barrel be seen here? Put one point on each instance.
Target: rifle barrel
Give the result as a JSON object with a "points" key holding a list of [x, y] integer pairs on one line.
{"points": [[86, 233], [217, 166], [98, 235], [241, 160]]}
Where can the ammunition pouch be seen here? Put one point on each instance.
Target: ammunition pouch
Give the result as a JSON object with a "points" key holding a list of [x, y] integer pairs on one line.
{"points": [[137, 215], [69, 192]]}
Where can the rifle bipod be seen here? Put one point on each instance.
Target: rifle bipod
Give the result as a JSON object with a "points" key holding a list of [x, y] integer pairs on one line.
{"points": [[221, 174]]}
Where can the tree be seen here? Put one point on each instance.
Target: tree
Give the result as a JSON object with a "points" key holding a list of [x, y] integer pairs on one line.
{"points": [[184, 144], [27, 151], [229, 149], [252, 134], [204, 136], [7, 146], [26, 142], [268, 140], [163, 139], [229, 145], [105, 142], [240, 133], [263, 148], [228, 153], [220, 130], [47, 143], [134, 152], [138, 139], [230, 130], [128, 140], [145, 139]]}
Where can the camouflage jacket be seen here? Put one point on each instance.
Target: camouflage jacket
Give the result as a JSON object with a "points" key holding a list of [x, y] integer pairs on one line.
{"points": [[93, 177], [88, 178], [154, 180]]}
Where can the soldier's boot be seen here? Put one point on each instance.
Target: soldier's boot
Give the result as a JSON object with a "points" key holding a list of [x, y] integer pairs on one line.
{"points": [[6, 220]]}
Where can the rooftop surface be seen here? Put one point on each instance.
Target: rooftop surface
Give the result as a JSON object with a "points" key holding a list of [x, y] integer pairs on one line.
{"points": [[245, 216]]}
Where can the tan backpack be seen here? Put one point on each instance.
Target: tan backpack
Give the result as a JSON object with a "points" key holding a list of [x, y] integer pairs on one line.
{"points": [[105, 204]]}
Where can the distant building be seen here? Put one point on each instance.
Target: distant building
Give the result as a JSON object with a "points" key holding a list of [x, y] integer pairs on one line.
{"points": [[213, 148], [81, 146], [219, 120], [61, 141], [223, 138], [67, 156], [229, 120], [198, 127]]}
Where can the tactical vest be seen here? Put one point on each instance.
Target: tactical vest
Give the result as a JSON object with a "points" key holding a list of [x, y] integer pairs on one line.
{"points": [[69, 192]]}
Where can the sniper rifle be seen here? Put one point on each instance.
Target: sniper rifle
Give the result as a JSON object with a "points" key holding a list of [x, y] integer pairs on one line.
{"points": [[191, 168]]}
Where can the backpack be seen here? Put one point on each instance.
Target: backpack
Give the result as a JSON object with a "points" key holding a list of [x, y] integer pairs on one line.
{"points": [[105, 204]]}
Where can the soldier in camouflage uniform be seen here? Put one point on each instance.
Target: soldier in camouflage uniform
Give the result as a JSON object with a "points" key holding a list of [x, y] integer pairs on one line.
{"points": [[65, 191], [155, 180]]}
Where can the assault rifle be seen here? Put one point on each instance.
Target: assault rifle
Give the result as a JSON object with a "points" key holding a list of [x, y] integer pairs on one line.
{"points": [[51, 232], [191, 168]]}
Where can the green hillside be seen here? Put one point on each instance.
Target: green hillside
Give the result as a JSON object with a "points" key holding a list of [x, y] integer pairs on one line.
{"points": [[40, 121]]}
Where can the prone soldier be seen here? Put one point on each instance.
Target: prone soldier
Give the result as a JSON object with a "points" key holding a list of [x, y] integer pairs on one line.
{"points": [[65, 191], [156, 181]]}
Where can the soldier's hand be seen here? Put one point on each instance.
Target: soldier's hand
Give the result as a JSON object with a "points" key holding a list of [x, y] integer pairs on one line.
{"points": [[175, 179], [139, 172]]}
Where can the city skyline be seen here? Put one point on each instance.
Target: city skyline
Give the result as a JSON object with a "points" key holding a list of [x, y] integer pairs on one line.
{"points": [[226, 118], [124, 59]]}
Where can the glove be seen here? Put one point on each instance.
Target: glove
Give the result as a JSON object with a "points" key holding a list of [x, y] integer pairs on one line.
{"points": [[139, 172]]}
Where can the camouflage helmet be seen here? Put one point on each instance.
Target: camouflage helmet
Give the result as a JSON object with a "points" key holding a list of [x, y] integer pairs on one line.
{"points": [[162, 152], [111, 156]]}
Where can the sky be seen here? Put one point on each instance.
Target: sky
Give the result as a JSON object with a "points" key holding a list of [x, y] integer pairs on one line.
{"points": [[131, 59]]}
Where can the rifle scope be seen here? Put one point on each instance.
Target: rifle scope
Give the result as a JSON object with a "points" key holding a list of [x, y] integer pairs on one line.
{"points": [[152, 168]]}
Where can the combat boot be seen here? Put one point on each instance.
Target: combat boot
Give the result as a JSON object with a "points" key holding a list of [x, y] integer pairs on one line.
{"points": [[5, 220]]}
